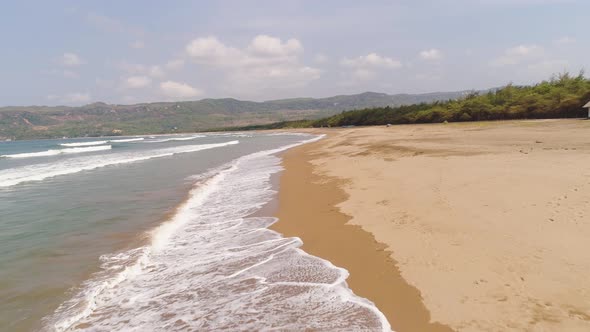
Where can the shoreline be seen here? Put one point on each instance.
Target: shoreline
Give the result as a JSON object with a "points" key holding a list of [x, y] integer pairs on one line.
{"points": [[486, 223], [374, 275]]}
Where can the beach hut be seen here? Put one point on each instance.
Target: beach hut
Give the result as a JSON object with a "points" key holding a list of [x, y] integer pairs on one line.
{"points": [[588, 107]]}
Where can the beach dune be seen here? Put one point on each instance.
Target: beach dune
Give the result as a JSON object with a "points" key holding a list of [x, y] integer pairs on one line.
{"points": [[468, 227]]}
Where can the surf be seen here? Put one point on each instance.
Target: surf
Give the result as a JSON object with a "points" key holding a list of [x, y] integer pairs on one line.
{"points": [[39, 172], [212, 267], [122, 140], [84, 143], [172, 139], [55, 152], [125, 140]]}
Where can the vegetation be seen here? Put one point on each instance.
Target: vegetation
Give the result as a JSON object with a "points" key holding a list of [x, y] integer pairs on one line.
{"points": [[270, 126], [100, 119], [560, 97]]}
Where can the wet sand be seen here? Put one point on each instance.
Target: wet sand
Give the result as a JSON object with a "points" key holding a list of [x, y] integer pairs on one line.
{"points": [[476, 226], [306, 208]]}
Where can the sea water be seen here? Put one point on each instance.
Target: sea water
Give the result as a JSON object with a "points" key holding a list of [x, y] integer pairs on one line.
{"points": [[157, 234]]}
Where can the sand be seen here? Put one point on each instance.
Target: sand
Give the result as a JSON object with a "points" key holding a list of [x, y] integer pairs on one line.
{"points": [[473, 226]]}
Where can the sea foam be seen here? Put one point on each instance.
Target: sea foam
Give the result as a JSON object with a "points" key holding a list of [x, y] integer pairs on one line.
{"points": [[122, 140], [212, 267], [125, 140], [172, 139], [38, 172], [48, 153], [84, 143]]}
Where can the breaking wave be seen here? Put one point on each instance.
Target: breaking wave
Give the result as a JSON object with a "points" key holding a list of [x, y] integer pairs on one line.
{"points": [[84, 143], [39, 172], [176, 139], [213, 267], [124, 140], [57, 152]]}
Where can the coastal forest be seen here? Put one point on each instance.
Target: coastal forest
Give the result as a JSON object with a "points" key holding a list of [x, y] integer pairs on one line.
{"points": [[562, 96]]}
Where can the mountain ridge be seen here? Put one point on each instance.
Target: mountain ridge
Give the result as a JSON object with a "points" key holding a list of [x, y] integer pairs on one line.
{"points": [[100, 119]]}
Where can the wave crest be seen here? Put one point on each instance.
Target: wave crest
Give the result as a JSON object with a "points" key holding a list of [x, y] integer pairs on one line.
{"points": [[84, 143], [39, 172], [57, 152]]}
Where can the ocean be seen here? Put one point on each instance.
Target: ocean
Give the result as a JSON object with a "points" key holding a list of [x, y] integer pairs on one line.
{"points": [[159, 233]]}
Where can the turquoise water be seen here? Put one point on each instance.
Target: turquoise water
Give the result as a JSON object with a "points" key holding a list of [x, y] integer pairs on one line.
{"points": [[88, 224]]}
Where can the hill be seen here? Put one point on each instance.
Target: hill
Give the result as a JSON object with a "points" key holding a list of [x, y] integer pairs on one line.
{"points": [[99, 119], [560, 97]]}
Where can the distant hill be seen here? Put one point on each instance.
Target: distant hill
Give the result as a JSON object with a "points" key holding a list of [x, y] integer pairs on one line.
{"points": [[562, 96], [98, 119]]}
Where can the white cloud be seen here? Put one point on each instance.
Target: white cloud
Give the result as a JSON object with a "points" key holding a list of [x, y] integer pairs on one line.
{"points": [[266, 63], [136, 82], [518, 54], [366, 67], [137, 44], [263, 50], [71, 60], [177, 90], [174, 64], [431, 54], [372, 60], [210, 50], [270, 46]]}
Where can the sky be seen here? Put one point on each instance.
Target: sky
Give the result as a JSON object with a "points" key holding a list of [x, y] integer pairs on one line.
{"points": [[123, 52]]}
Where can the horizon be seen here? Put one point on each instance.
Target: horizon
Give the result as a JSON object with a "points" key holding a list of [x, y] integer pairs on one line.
{"points": [[133, 52]]}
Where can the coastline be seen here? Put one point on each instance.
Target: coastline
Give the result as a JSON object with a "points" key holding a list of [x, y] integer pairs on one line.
{"points": [[306, 209], [478, 226]]}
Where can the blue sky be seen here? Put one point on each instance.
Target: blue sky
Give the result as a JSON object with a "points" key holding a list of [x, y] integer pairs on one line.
{"points": [[77, 52]]}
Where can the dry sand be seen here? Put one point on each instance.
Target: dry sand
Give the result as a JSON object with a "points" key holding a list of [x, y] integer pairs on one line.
{"points": [[485, 226]]}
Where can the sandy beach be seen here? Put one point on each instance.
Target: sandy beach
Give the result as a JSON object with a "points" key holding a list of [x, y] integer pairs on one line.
{"points": [[468, 227]]}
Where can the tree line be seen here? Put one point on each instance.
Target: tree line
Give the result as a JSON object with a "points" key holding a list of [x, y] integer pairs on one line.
{"points": [[562, 96]]}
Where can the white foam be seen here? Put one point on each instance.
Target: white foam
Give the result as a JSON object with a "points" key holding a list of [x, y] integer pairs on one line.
{"points": [[211, 267], [84, 143], [124, 140], [231, 134], [171, 139], [58, 152], [39, 172]]}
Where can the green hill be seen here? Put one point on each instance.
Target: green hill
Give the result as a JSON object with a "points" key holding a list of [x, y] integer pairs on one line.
{"points": [[560, 97], [99, 119]]}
